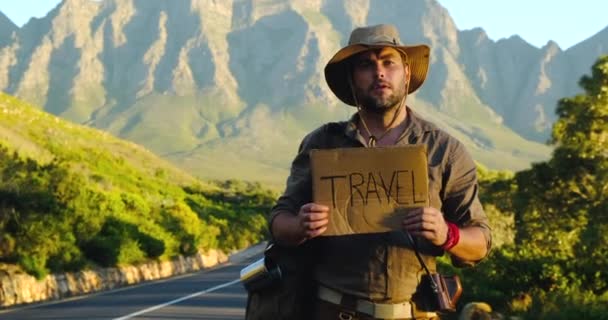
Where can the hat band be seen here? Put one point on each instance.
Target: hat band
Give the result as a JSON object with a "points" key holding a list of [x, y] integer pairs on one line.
{"points": [[378, 43], [377, 39]]}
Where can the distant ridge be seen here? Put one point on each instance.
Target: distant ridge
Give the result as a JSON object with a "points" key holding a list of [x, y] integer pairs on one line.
{"points": [[7, 27], [227, 89]]}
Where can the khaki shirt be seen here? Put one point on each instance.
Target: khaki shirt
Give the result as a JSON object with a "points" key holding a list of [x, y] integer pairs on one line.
{"points": [[382, 267]]}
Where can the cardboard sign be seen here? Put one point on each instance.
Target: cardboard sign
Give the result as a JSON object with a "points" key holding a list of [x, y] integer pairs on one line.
{"points": [[369, 190]]}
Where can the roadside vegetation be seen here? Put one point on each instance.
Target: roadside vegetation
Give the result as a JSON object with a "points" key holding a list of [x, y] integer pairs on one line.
{"points": [[550, 260], [72, 198]]}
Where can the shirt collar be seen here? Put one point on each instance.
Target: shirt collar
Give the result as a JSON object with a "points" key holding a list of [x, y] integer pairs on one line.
{"points": [[414, 128]]}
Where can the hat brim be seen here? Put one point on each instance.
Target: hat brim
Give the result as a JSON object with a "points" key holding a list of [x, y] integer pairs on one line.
{"points": [[336, 70]]}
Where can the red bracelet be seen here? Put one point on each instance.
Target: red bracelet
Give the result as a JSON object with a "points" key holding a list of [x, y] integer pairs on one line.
{"points": [[452, 238]]}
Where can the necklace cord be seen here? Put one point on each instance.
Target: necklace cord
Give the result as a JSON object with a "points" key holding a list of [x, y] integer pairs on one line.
{"points": [[372, 140]]}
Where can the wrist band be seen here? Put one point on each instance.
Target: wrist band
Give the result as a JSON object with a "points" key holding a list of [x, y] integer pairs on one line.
{"points": [[452, 238]]}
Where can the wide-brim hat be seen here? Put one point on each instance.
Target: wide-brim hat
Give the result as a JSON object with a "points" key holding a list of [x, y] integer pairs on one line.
{"points": [[366, 38]]}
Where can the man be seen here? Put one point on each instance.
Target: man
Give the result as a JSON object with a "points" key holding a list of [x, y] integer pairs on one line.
{"points": [[376, 276]]}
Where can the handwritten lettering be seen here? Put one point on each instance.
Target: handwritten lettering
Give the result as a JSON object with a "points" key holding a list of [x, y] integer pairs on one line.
{"points": [[364, 188], [399, 187], [356, 187], [416, 201], [371, 188], [333, 187], [390, 186]]}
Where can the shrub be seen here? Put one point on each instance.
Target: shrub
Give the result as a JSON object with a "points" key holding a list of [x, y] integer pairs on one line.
{"points": [[34, 265], [118, 243]]}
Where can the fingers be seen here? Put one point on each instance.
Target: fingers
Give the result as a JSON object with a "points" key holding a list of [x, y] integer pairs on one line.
{"points": [[419, 216], [418, 226], [315, 233], [315, 224], [314, 216], [424, 234], [313, 207], [427, 223], [313, 219]]}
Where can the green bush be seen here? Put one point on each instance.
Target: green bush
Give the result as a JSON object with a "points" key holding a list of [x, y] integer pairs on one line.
{"points": [[69, 258], [239, 212], [129, 253], [152, 246], [117, 244], [517, 283], [34, 265], [103, 248]]}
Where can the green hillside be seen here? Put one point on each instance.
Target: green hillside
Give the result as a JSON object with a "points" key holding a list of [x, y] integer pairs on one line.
{"points": [[72, 197], [262, 144]]}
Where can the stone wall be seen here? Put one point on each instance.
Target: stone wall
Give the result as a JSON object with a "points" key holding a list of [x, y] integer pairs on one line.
{"points": [[22, 288]]}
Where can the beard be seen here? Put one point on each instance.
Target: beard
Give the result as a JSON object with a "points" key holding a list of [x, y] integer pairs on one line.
{"points": [[381, 104]]}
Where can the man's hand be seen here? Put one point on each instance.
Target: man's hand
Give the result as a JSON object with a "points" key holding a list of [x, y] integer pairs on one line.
{"points": [[293, 229], [312, 220], [427, 223]]}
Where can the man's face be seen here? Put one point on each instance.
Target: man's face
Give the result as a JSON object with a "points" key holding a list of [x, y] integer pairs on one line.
{"points": [[379, 78]]}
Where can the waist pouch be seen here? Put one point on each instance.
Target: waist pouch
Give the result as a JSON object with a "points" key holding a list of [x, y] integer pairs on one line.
{"points": [[281, 285]]}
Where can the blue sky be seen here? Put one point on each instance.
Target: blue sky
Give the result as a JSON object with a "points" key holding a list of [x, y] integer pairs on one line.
{"points": [[537, 21], [565, 22]]}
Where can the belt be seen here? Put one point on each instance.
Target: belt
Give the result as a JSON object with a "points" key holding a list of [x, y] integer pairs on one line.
{"points": [[401, 310]]}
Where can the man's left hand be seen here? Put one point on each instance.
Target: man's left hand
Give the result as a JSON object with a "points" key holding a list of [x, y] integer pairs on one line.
{"points": [[427, 223]]}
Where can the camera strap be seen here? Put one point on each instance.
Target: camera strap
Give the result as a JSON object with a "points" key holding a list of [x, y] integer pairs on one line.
{"points": [[434, 285]]}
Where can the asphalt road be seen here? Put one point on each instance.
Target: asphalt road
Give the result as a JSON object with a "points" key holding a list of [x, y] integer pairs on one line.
{"points": [[211, 294]]}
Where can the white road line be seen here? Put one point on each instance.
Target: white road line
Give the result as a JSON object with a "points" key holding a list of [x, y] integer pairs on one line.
{"points": [[135, 314]]}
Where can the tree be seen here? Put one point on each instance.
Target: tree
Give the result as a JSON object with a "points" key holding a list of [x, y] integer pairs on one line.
{"points": [[561, 206], [556, 268]]}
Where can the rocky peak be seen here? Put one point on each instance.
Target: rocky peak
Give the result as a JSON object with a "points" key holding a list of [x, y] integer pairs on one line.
{"points": [[420, 21], [7, 27], [475, 36], [139, 67], [583, 55], [552, 46]]}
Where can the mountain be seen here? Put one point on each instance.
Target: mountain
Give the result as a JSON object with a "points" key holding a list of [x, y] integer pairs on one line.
{"points": [[523, 83], [226, 89], [7, 27], [587, 50]]}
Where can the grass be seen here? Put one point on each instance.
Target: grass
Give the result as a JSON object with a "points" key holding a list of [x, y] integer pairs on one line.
{"points": [[42, 137]]}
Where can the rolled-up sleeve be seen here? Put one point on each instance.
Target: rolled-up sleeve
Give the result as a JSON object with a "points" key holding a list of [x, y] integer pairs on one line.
{"points": [[461, 203]]}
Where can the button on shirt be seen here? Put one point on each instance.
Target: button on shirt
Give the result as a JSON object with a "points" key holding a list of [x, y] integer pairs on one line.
{"points": [[382, 267]]}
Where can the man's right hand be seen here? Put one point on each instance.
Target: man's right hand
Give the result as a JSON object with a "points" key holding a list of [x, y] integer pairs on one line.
{"points": [[311, 221]]}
